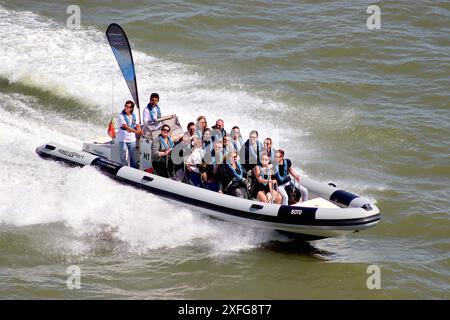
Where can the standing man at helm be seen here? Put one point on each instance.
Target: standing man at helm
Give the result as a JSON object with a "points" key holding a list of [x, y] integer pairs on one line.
{"points": [[126, 136]]}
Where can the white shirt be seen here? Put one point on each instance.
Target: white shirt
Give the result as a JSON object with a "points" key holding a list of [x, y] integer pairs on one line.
{"points": [[146, 115], [124, 135], [194, 159]]}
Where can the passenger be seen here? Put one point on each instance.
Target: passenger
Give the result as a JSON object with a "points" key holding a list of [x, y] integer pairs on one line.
{"points": [[264, 188], [269, 150], [283, 168], [161, 153], [236, 138], [207, 141], [232, 177], [251, 151], [211, 165], [218, 131], [193, 161], [128, 129], [210, 176], [217, 153], [227, 144], [152, 112], [183, 148], [201, 126], [189, 135]]}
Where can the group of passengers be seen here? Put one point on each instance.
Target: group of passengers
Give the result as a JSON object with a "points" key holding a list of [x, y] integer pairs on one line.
{"points": [[213, 159]]}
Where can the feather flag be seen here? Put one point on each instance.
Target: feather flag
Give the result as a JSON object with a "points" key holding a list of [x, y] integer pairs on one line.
{"points": [[111, 128]]}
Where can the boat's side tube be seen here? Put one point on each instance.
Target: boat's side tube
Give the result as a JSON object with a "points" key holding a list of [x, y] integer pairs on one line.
{"points": [[64, 154], [336, 195]]}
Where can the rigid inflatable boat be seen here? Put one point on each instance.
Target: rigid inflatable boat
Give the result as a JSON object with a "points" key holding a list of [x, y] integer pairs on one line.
{"points": [[330, 211]]}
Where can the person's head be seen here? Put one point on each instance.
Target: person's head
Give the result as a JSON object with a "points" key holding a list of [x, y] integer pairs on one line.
{"points": [[218, 146], [253, 136], [231, 157], [202, 124], [165, 130], [268, 143], [219, 124], [279, 155], [264, 159], [154, 99], [191, 128], [235, 132], [197, 142], [227, 140], [207, 134], [129, 107]]}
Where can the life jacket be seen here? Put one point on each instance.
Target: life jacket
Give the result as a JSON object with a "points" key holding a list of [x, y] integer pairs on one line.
{"points": [[158, 112], [133, 120]]}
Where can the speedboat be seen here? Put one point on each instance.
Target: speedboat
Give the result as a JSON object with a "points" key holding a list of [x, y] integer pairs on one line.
{"points": [[330, 212]]}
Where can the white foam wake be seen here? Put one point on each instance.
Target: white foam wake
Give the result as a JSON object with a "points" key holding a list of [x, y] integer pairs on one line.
{"points": [[79, 64], [39, 192]]}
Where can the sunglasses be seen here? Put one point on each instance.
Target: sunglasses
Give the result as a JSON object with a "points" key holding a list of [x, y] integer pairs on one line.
{"points": [[129, 107], [165, 130]]}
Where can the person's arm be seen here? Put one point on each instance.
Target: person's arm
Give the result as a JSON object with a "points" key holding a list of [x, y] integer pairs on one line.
{"points": [[129, 129], [190, 161], [294, 174], [258, 175], [165, 152], [146, 116]]}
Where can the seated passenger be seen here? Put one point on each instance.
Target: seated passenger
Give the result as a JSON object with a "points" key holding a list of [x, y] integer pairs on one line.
{"points": [[251, 151], [187, 136], [218, 132], [283, 168], [161, 153], [268, 149], [209, 176], [193, 161], [232, 177], [227, 144], [236, 138], [201, 126], [152, 112], [207, 142], [217, 153], [183, 148], [264, 188]]}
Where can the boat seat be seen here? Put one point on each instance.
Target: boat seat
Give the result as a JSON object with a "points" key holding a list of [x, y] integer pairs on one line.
{"points": [[318, 202]]}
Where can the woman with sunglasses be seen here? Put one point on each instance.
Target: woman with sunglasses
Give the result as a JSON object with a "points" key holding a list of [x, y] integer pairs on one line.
{"points": [[126, 136], [161, 153], [232, 176]]}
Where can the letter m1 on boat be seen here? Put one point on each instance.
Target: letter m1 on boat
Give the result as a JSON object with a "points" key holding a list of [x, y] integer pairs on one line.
{"points": [[121, 48]]}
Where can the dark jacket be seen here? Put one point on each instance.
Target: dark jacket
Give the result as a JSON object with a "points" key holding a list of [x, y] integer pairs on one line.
{"points": [[226, 177], [247, 157]]}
